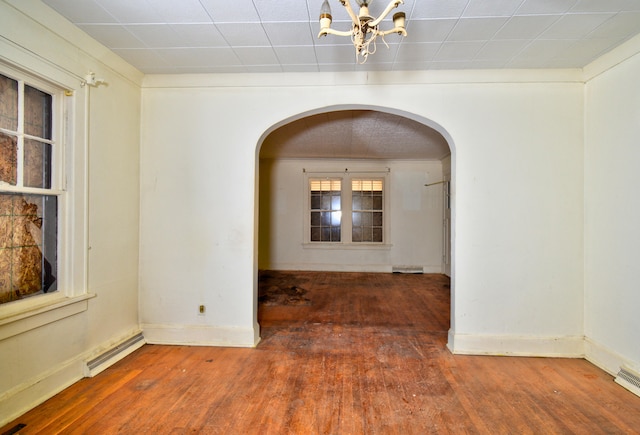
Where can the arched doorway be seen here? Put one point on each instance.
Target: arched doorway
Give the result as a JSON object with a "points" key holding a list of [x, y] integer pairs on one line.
{"points": [[346, 134]]}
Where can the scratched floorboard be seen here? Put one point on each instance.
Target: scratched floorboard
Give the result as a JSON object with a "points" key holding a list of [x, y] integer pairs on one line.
{"points": [[341, 353]]}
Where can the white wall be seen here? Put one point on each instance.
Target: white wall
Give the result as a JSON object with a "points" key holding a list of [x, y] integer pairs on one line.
{"points": [[49, 354], [414, 216], [518, 197], [612, 209]]}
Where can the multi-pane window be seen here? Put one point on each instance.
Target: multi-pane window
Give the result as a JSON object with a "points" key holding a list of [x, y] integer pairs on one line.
{"points": [[366, 211], [28, 205], [326, 210], [346, 210]]}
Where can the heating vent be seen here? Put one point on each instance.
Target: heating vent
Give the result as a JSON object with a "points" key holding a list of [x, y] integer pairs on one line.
{"points": [[407, 269], [629, 379], [113, 355]]}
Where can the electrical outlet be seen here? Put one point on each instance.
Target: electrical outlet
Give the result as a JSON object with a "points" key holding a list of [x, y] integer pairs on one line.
{"points": [[201, 309]]}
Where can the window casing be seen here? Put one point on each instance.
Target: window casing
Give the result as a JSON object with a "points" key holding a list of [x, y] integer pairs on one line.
{"points": [[347, 209], [30, 167]]}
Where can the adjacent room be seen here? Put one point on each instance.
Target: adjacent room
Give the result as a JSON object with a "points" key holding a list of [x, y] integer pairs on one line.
{"points": [[161, 161]]}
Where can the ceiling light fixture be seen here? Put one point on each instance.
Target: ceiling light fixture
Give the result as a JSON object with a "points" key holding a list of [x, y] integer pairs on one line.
{"points": [[364, 31]]}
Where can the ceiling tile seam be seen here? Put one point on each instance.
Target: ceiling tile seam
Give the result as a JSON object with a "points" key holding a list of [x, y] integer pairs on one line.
{"points": [[395, 57]]}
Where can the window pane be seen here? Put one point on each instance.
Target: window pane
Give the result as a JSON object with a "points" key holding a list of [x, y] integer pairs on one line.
{"points": [[37, 113], [8, 159], [325, 214], [377, 235], [367, 211], [28, 245], [37, 164], [8, 103]]}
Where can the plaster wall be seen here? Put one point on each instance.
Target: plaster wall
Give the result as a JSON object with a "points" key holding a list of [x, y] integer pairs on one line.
{"points": [[414, 216], [44, 350], [517, 189], [612, 211]]}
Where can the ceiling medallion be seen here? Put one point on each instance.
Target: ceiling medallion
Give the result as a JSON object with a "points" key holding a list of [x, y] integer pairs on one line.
{"points": [[365, 30]]}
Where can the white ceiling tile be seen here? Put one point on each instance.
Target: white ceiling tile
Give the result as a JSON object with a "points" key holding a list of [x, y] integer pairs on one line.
{"points": [[300, 68], [574, 26], [199, 57], [141, 58], [236, 11], [605, 5], [199, 35], [256, 55], [539, 51], [526, 26], [500, 50], [292, 33], [493, 8], [297, 55], [284, 10], [438, 9], [470, 29], [112, 35], [85, 12], [183, 11], [622, 26], [244, 34], [429, 30], [334, 54], [535, 7], [421, 52], [129, 12], [156, 35], [459, 50]]}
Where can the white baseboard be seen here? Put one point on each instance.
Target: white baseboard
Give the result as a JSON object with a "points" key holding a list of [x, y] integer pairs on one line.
{"points": [[33, 392], [513, 345], [605, 358], [201, 335], [29, 394]]}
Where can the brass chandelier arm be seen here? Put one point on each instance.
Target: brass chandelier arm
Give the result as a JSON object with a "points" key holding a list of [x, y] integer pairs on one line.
{"points": [[394, 4]]}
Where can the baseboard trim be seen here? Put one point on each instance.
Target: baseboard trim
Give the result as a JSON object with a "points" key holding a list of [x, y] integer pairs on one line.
{"points": [[35, 391], [222, 336], [512, 345], [605, 358]]}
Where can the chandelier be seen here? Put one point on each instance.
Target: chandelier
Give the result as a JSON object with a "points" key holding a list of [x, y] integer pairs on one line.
{"points": [[364, 30]]}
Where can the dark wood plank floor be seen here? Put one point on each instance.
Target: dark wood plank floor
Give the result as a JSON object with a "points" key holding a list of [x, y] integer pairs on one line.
{"points": [[341, 353]]}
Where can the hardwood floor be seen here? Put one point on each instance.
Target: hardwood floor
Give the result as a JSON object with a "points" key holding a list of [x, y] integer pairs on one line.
{"points": [[341, 353]]}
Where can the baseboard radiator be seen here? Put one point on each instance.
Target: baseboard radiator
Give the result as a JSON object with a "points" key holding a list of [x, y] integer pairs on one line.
{"points": [[113, 355], [629, 379], [407, 269]]}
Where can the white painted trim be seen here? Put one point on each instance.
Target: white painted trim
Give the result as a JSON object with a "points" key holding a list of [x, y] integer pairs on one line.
{"points": [[33, 392], [340, 267], [49, 310], [516, 345], [362, 78], [189, 335], [605, 358], [611, 59]]}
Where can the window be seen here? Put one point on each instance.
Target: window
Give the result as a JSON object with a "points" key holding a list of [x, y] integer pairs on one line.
{"points": [[326, 210], [348, 210], [28, 194], [366, 211]]}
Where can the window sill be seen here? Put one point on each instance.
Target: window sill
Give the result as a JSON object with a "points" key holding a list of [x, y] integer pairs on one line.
{"points": [[22, 316], [348, 246]]}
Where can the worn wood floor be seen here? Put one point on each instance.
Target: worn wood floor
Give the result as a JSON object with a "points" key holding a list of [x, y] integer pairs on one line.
{"points": [[341, 353]]}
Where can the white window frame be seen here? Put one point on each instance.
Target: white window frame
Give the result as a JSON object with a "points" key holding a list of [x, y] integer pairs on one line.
{"points": [[69, 184], [346, 176]]}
